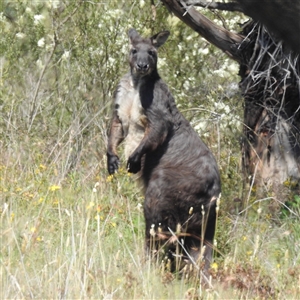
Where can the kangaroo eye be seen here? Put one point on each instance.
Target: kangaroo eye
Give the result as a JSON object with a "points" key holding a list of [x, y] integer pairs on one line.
{"points": [[151, 52], [133, 51]]}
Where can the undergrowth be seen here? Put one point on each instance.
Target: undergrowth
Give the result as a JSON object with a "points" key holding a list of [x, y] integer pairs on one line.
{"points": [[70, 231], [85, 239]]}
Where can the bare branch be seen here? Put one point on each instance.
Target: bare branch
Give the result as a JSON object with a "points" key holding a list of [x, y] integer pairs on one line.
{"points": [[225, 40], [229, 6]]}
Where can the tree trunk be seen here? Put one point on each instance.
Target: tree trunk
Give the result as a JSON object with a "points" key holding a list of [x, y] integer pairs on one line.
{"points": [[281, 17], [270, 84]]}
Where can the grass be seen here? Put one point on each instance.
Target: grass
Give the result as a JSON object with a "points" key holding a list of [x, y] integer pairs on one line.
{"points": [[69, 231], [81, 239]]}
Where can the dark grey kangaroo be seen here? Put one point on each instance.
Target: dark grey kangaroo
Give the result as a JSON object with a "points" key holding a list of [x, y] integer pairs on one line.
{"points": [[179, 173]]}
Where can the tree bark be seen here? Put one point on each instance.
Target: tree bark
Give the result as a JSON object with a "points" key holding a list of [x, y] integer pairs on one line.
{"points": [[282, 17], [270, 85]]}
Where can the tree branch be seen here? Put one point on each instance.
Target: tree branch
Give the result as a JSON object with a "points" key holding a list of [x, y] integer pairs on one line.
{"points": [[225, 40], [229, 6]]}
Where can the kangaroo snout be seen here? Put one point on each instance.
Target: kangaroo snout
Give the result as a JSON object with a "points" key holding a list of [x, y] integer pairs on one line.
{"points": [[142, 67]]}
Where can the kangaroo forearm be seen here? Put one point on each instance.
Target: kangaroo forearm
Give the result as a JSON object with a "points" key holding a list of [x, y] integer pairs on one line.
{"points": [[115, 137]]}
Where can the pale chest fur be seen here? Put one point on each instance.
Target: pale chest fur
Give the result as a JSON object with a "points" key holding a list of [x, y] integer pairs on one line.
{"points": [[130, 113]]}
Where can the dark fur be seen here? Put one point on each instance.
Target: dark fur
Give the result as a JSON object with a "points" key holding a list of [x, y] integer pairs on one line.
{"points": [[178, 169]]}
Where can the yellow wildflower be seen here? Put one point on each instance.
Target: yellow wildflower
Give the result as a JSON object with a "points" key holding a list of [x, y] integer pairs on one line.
{"points": [[90, 205], [214, 266], [55, 201], [109, 178], [54, 188]]}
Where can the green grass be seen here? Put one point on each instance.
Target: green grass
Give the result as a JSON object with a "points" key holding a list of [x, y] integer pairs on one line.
{"points": [[84, 239], [68, 231]]}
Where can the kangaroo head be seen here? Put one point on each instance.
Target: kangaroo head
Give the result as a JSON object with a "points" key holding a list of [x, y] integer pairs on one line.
{"points": [[143, 52]]}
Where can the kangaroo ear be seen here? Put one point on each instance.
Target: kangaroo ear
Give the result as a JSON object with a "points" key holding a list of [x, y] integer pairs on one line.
{"points": [[133, 34], [160, 38]]}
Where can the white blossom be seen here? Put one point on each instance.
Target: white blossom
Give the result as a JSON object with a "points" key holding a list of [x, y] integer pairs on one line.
{"points": [[142, 3], [41, 42], [38, 19], [20, 35], [233, 68], [161, 62], [53, 3], [39, 64], [203, 51]]}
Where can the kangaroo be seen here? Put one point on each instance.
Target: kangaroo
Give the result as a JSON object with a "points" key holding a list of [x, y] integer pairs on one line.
{"points": [[179, 173]]}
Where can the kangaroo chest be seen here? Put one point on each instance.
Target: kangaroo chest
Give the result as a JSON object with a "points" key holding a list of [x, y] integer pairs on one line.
{"points": [[131, 114]]}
